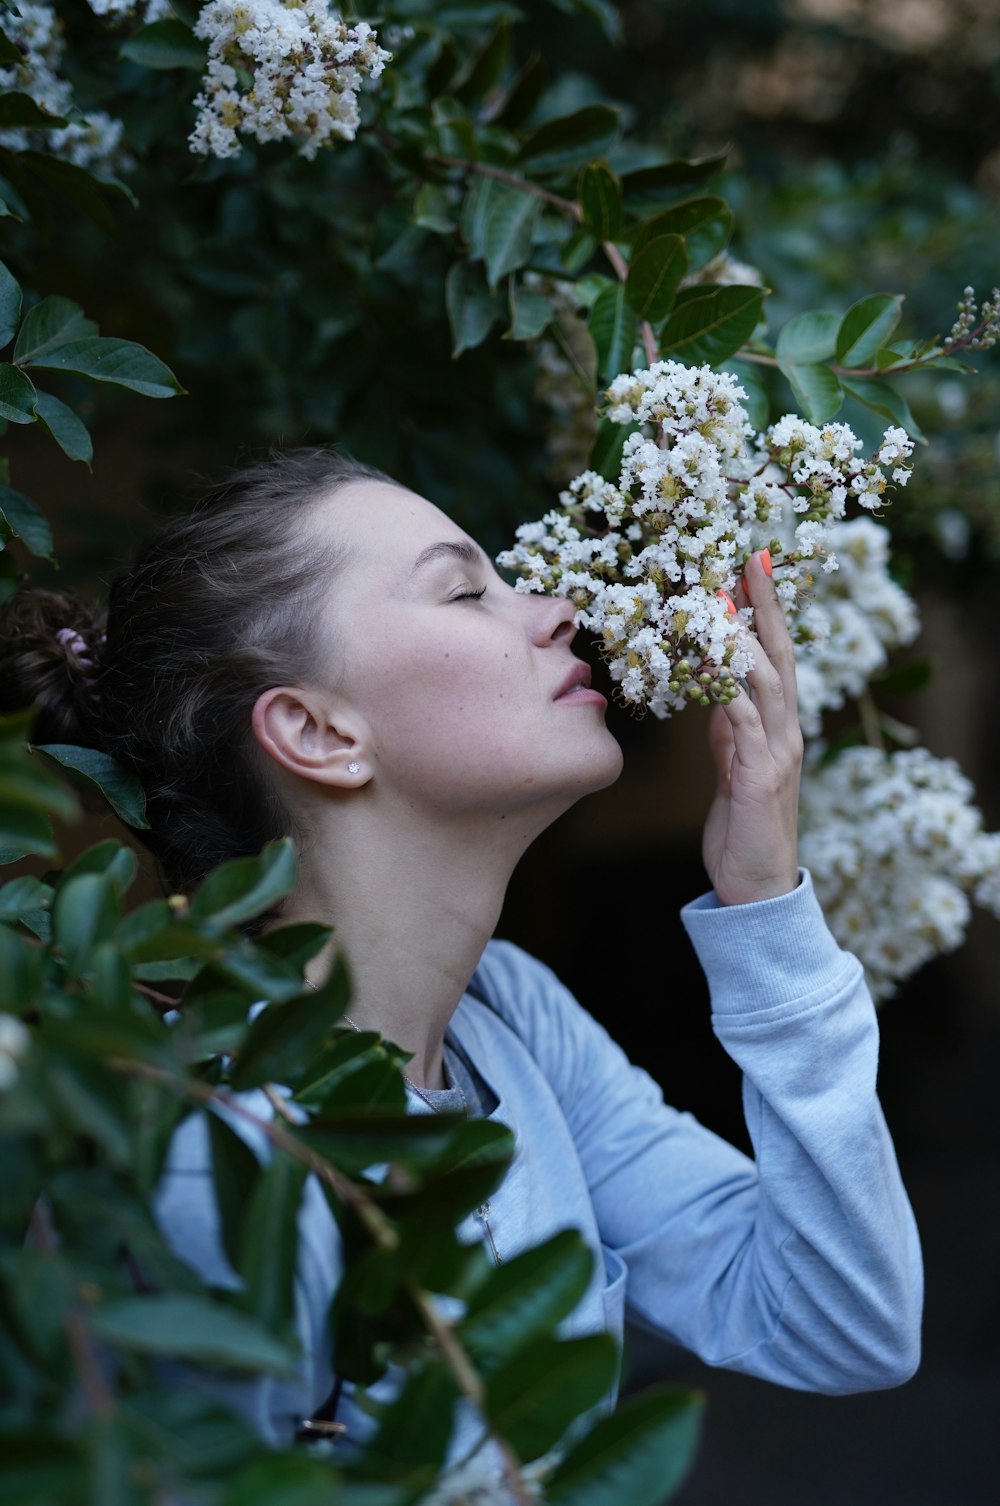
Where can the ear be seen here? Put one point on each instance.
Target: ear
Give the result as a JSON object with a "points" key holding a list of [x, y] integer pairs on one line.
{"points": [[305, 733]]}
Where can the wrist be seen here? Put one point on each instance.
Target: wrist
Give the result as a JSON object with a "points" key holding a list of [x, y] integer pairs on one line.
{"points": [[752, 893]]}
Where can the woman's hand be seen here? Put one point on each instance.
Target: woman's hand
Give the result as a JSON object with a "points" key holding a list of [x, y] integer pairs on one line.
{"points": [[750, 844]]}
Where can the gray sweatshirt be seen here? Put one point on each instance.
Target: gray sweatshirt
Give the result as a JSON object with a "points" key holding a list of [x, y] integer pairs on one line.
{"points": [[801, 1266]]}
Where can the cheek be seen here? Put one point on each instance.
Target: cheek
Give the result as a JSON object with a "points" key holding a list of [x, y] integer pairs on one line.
{"points": [[446, 700]]}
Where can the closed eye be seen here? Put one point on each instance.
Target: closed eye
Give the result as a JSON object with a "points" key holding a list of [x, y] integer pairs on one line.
{"points": [[470, 595]]}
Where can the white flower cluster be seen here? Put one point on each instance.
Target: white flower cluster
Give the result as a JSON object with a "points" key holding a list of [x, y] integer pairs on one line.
{"points": [[853, 618], [280, 70], [14, 1043], [652, 575], [153, 10], [896, 847], [95, 143]]}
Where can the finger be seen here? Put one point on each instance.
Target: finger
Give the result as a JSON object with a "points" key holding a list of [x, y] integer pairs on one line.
{"points": [[771, 627], [750, 740], [721, 746]]}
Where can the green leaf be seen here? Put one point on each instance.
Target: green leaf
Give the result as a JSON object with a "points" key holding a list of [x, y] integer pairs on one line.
{"points": [[235, 1173], [706, 225], [432, 210], [653, 274], [613, 329], [120, 362], [270, 1243], [524, 93], [479, 200], [902, 679], [9, 51], [18, 109], [26, 522], [487, 67], [17, 396], [866, 326], [532, 1398], [472, 309], [757, 402], [25, 783], [192, 1328], [23, 832], [558, 145], [883, 398], [53, 322], [165, 44], [639, 1455], [604, 12], [415, 1427], [679, 173], [283, 1038], [526, 1296], [809, 339], [85, 190], [530, 313], [10, 304], [455, 134], [69, 432], [20, 972], [298, 943], [817, 390], [712, 326], [599, 194], [509, 230], [606, 456], [120, 787], [417, 1142], [111, 858], [84, 912], [21, 894], [37, 1467], [239, 890]]}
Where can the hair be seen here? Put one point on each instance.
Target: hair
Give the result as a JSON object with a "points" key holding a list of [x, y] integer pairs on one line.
{"points": [[217, 608]]}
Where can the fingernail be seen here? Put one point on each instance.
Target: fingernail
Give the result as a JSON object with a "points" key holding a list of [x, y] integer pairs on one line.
{"points": [[765, 559], [730, 603]]}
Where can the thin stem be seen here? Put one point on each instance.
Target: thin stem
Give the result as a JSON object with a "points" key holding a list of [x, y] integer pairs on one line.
{"points": [[870, 722], [98, 1398], [524, 185]]}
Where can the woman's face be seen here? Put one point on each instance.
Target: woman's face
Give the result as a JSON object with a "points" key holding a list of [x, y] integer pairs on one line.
{"points": [[463, 683]]}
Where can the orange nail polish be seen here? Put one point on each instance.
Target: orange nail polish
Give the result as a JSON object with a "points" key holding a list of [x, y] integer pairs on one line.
{"points": [[730, 603], [765, 559]]}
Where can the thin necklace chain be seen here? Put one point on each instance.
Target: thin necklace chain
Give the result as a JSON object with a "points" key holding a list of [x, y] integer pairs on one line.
{"points": [[483, 1211]]}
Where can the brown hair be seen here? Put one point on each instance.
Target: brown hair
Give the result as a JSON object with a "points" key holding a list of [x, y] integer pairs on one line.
{"points": [[216, 609]]}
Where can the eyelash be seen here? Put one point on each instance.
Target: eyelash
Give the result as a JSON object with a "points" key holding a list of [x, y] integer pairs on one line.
{"points": [[470, 595]]}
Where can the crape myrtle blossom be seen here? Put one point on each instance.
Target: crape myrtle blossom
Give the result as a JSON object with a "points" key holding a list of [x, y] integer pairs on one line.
{"points": [[153, 10], [896, 848], [852, 618], [95, 143], [651, 561], [280, 70]]}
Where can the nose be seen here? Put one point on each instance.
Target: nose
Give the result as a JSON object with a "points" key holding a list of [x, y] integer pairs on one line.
{"points": [[553, 620]]}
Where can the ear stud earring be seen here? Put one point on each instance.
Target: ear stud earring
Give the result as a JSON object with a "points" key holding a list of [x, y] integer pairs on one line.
{"points": [[353, 768]]}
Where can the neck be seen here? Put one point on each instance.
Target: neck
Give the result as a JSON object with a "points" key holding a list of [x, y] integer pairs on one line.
{"points": [[412, 913]]}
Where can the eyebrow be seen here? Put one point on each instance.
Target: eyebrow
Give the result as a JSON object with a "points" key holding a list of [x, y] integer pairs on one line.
{"points": [[470, 554]]}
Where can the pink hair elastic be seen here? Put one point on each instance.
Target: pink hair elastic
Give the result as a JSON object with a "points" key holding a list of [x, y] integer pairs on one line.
{"points": [[76, 644]]}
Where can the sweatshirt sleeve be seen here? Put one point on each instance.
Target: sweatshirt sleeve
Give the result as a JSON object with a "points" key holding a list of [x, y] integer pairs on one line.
{"points": [[801, 1266]]}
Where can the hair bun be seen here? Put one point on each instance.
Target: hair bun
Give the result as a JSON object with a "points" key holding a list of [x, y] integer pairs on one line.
{"points": [[50, 650]]}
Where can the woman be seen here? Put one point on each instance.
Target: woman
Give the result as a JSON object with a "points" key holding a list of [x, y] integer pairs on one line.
{"points": [[318, 651]]}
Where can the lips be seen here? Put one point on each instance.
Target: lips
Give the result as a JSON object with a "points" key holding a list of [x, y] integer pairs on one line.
{"points": [[578, 676]]}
